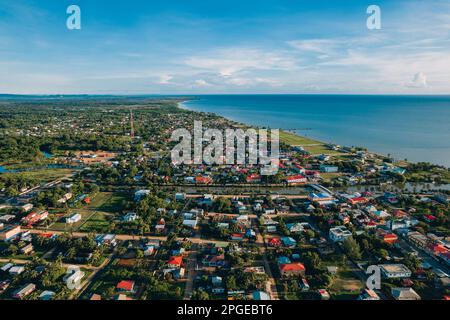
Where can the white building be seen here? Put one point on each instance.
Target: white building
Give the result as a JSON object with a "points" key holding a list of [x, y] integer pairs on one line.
{"points": [[73, 218], [74, 278], [339, 234], [130, 217], [27, 207], [392, 271], [138, 195]]}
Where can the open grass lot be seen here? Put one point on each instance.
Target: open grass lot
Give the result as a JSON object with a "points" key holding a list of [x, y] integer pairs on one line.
{"points": [[310, 145], [346, 285], [328, 176], [296, 140], [97, 223], [321, 149], [96, 215], [109, 202], [61, 225], [43, 175]]}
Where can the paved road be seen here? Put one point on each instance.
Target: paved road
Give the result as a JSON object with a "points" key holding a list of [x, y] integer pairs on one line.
{"points": [[66, 265], [124, 237]]}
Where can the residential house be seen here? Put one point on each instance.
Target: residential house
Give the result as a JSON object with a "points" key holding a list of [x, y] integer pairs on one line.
{"points": [[140, 194], [296, 179], [34, 218], [130, 217], [73, 218], [329, 169], [175, 262], [126, 286], [297, 227], [203, 180], [74, 278], [214, 260], [274, 242], [180, 196], [394, 271], [27, 249], [9, 232], [339, 234], [292, 269], [25, 291], [16, 270], [288, 242], [404, 294]]}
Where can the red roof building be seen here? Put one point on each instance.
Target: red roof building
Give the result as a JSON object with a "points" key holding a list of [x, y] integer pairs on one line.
{"points": [[429, 217], [390, 238], [125, 285], [253, 178], [34, 217], [399, 213], [296, 179], [275, 242], [175, 262], [237, 236], [437, 249], [358, 200], [46, 235], [203, 180], [295, 268]]}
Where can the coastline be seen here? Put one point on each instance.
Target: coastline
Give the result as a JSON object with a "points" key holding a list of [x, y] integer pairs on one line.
{"points": [[309, 144], [349, 125], [313, 141]]}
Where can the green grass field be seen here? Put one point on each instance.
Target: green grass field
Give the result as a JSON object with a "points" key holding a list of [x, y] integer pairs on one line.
{"points": [[104, 206], [97, 223], [295, 140], [112, 202], [328, 176], [314, 147], [346, 285], [61, 225], [44, 175]]}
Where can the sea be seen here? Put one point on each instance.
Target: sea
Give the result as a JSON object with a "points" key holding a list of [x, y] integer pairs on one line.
{"points": [[416, 128]]}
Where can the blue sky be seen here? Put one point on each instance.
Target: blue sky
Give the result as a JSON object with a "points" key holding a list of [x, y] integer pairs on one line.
{"points": [[192, 47]]}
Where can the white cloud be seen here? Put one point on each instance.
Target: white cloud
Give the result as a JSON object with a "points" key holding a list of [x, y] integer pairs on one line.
{"points": [[322, 46], [165, 79], [419, 81], [229, 61], [201, 83]]}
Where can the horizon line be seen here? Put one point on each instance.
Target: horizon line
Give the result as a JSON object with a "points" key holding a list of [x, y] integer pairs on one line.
{"points": [[213, 94]]}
